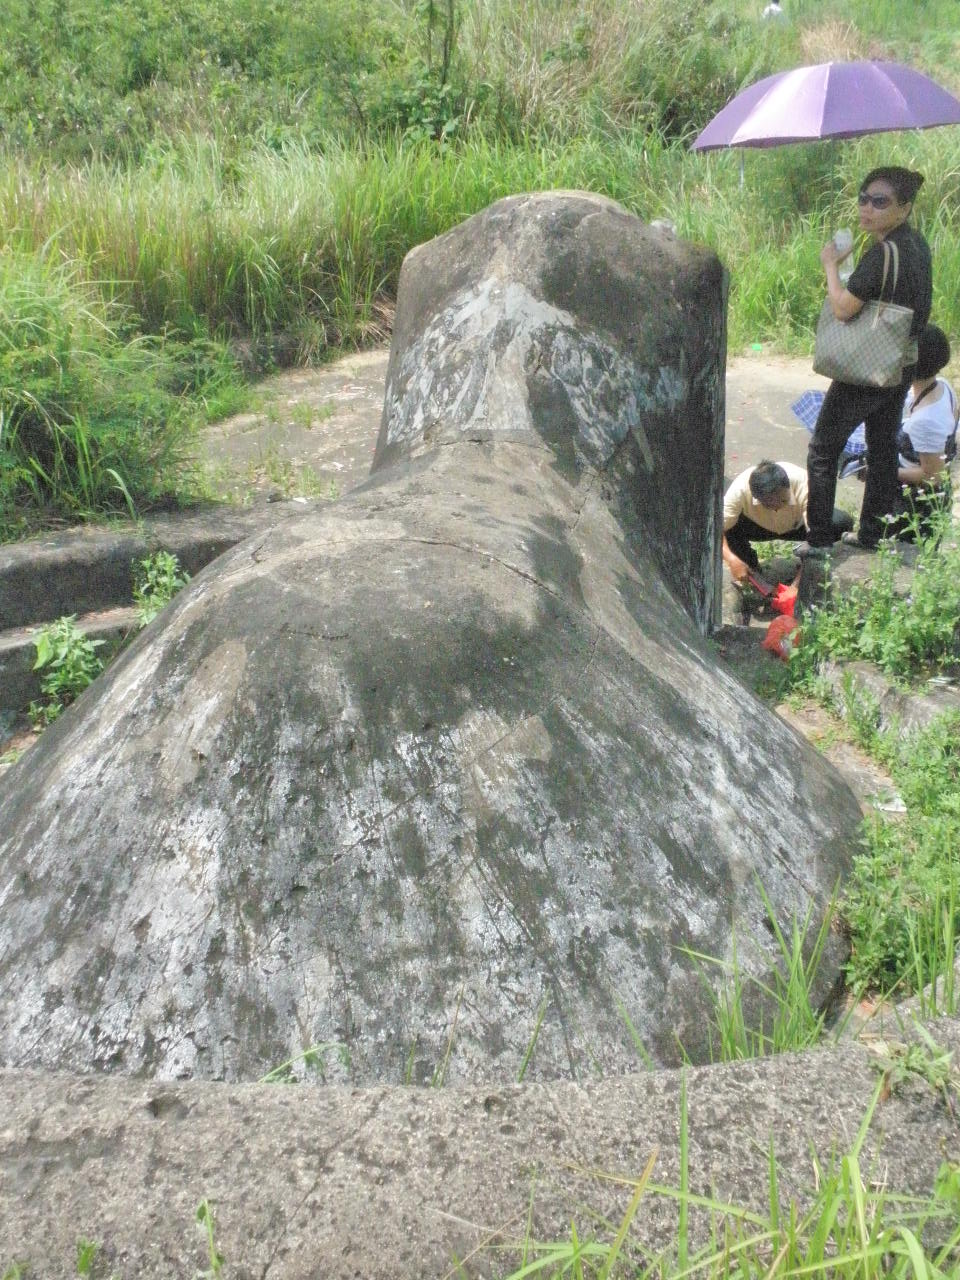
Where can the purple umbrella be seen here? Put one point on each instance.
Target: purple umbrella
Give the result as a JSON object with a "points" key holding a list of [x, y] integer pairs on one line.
{"points": [[832, 100]]}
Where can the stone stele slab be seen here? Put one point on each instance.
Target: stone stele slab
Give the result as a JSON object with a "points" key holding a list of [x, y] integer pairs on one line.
{"points": [[442, 781]]}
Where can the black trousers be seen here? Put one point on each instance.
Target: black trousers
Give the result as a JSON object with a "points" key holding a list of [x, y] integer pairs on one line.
{"points": [[844, 407], [746, 531]]}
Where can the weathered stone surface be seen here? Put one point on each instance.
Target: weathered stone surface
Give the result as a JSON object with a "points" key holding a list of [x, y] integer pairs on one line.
{"points": [[399, 1184], [562, 319], [442, 776]]}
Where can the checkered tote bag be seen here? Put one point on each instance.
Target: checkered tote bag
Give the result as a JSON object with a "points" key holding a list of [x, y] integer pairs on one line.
{"points": [[871, 349]]}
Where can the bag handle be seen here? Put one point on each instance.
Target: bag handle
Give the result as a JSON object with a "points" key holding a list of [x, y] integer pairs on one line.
{"points": [[890, 251]]}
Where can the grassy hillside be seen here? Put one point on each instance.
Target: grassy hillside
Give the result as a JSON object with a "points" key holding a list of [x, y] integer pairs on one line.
{"points": [[114, 78], [176, 175]]}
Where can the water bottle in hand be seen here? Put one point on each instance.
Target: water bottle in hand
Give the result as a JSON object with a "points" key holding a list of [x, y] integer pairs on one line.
{"points": [[842, 241]]}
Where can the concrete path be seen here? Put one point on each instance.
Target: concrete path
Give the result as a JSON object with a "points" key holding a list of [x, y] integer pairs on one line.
{"points": [[312, 433]]}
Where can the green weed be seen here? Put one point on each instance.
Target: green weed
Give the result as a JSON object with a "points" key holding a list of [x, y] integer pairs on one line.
{"points": [[157, 579], [290, 480], [635, 1037], [793, 1021], [533, 1040], [923, 1058], [906, 634], [306, 416], [216, 1259], [440, 1073], [87, 1251], [901, 903], [933, 948], [312, 1059], [69, 662]]}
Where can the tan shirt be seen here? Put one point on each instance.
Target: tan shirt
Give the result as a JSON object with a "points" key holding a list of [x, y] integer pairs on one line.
{"points": [[739, 501]]}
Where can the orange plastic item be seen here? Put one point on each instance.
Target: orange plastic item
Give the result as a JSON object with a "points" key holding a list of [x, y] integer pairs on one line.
{"points": [[782, 634]]}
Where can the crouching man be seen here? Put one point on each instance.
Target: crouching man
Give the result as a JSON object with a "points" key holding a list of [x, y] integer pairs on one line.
{"points": [[763, 503]]}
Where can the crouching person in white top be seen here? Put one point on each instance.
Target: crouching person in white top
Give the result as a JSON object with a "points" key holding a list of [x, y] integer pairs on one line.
{"points": [[928, 438], [763, 503]]}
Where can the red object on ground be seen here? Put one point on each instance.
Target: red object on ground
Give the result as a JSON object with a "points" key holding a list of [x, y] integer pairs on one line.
{"points": [[784, 600], [782, 634]]}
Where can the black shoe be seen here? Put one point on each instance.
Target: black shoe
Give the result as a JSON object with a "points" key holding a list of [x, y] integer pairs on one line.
{"points": [[812, 551], [853, 540]]}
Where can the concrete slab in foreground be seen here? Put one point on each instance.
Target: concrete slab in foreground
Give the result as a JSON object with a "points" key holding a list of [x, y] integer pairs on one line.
{"points": [[400, 1183]]}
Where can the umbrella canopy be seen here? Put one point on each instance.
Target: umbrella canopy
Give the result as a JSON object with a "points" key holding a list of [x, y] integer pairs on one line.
{"points": [[831, 100]]}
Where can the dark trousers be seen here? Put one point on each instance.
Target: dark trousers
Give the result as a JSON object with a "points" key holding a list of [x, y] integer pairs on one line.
{"points": [[844, 407], [746, 531]]}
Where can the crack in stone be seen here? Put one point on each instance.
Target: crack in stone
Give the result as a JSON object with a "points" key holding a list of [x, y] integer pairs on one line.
{"points": [[593, 477], [486, 555]]}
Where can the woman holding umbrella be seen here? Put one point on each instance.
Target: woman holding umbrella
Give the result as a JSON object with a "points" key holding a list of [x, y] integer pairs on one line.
{"points": [[885, 202]]}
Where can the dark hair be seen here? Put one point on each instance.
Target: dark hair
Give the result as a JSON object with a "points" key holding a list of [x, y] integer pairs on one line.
{"points": [[905, 182], [933, 351], [767, 477]]}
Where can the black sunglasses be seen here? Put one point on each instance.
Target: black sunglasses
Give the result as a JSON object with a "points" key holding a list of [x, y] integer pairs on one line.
{"points": [[878, 202]]}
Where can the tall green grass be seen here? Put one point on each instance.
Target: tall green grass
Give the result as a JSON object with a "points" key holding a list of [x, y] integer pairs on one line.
{"points": [[133, 268], [784, 1017], [94, 417], [847, 1227], [267, 241]]}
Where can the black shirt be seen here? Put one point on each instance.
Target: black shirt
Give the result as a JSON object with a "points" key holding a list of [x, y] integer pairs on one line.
{"points": [[914, 280]]}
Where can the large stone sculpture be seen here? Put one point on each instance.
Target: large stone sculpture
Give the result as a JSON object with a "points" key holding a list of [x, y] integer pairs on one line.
{"points": [[442, 778]]}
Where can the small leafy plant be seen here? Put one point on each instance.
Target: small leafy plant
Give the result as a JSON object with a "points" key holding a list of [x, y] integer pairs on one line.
{"points": [[157, 579], [906, 635], [87, 1251], [69, 662], [207, 1225]]}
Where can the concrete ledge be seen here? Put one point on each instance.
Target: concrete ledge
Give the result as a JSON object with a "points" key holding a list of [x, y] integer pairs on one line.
{"points": [[896, 708], [89, 569], [400, 1183]]}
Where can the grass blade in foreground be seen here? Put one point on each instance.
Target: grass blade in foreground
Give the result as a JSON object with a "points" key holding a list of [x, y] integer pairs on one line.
{"points": [[853, 1229]]}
